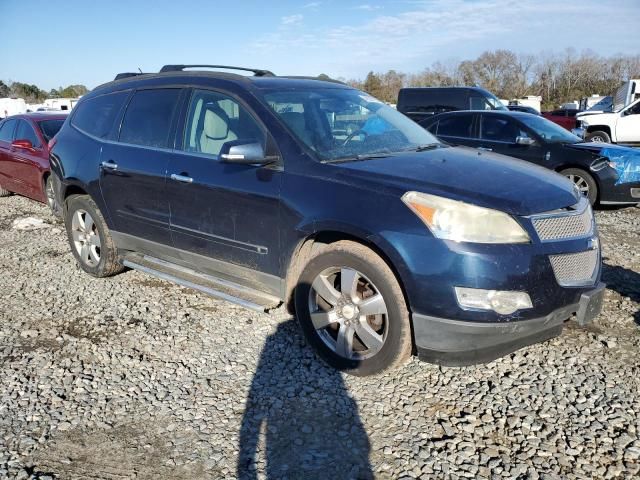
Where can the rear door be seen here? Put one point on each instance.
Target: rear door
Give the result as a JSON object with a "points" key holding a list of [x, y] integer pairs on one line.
{"points": [[133, 168], [7, 165], [27, 162], [498, 133], [457, 129], [226, 214]]}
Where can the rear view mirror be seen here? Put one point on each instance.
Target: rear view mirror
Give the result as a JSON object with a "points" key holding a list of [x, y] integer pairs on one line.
{"points": [[23, 144], [244, 152], [525, 141]]}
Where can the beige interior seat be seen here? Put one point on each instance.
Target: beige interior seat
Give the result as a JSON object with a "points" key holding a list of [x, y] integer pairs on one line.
{"points": [[215, 131]]}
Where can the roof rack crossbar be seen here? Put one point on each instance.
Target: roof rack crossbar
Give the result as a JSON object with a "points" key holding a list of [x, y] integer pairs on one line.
{"points": [[256, 71]]}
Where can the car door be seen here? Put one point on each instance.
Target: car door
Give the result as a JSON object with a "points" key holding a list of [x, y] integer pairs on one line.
{"points": [[133, 168], [456, 129], [628, 125], [27, 161], [498, 133], [7, 167], [224, 216]]}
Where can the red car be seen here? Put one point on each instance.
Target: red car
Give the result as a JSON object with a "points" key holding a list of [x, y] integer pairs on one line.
{"points": [[24, 154], [565, 117]]}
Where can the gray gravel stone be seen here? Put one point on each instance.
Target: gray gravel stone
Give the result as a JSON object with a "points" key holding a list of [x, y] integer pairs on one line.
{"points": [[135, 377]]}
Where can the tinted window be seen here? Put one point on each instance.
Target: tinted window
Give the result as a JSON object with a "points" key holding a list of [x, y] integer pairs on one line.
{"points": [[96, 115], [456, 126], [215, 119], [432, 101], [559, 113], [49, 128], [6, 130], [148, 118], [26, 132], [500, 129]]}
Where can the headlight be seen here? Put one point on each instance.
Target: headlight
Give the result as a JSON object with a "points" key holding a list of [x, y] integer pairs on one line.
{"points": [[463, 222]]}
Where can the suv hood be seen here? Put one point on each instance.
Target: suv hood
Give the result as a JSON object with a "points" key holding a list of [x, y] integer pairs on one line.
{"points": [[481, 178]]}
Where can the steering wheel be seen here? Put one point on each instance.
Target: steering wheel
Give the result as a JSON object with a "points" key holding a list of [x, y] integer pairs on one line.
{"points": [[350, 137]]}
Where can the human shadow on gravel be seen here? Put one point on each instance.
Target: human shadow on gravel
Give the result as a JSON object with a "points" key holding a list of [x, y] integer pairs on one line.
{"points": [[299, 418], [624, 281]]}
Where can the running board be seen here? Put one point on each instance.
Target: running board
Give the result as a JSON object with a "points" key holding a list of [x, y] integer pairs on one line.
{"points": [[216, 287]]}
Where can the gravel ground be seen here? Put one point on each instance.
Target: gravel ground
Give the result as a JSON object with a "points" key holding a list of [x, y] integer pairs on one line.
{"points": [[132, 377]]}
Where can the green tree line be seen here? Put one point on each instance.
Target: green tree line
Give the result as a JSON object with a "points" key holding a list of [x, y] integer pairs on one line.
{"points": [[33, 94], [557, 77]]}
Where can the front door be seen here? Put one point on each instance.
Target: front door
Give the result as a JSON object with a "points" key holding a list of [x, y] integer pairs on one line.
{"points": [[224, 216], [628, 125], [133, 169]]}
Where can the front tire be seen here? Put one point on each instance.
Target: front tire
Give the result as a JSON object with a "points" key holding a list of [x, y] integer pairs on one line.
{"points": [[598, 136], [90, 239], [4, 193], [352, 310], [50, 195], [584, 181]]}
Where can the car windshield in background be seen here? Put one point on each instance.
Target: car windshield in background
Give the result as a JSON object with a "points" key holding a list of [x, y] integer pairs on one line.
{"points": [[50, 128], [549, 131], [343, 124]]}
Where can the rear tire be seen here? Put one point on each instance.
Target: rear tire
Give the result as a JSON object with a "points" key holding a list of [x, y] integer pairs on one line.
{"points": [[50, 195], [90, 239], [584, 181], [4, 193], [353, 280], [598, 136]]}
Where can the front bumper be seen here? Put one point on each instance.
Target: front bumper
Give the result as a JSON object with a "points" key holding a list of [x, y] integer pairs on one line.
{"points": [[457, 343]]}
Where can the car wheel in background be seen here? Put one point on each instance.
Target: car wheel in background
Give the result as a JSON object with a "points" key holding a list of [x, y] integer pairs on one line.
{"points": [[584, 181], [89, 237], [352, 310], [4, 193], [51, 196], [598, 137]]}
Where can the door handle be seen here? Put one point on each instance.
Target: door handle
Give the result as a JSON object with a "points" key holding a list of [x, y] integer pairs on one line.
{"points": [[111, 165], [485, 149], [181, 178]]}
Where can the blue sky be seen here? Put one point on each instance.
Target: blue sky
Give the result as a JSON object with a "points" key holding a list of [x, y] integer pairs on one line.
{"points": [[59, 42]]}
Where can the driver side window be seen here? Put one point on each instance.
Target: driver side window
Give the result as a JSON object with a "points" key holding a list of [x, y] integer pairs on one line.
{"points": [[500, 129], [215, 119], [635, 110]]}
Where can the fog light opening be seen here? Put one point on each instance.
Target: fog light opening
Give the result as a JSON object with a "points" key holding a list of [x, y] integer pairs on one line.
{"points": [[500, 301]]}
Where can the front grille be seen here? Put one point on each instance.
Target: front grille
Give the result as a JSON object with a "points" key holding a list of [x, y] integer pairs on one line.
{"points": [[574, 269], [564, 225]]}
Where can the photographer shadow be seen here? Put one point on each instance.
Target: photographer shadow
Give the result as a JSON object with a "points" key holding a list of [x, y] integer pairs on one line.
{"points": [[624, 281], [299, 421]]}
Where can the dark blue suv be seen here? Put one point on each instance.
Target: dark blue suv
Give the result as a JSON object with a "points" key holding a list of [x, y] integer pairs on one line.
{"points": [[270, 191]]}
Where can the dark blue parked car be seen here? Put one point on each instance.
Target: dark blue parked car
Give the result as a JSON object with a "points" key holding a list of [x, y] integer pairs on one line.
{"points": [[383, 240]]}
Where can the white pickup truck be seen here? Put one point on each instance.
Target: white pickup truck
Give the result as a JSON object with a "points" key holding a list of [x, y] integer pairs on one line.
{"points": [[621, 127]]}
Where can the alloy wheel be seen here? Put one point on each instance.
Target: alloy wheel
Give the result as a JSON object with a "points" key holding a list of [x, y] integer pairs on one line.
{"points": [[348, 312], [581, 183], [86, 238]]}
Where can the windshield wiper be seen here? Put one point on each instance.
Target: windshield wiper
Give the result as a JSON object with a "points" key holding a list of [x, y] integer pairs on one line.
{"points": [[428, 146], [364, 156]]}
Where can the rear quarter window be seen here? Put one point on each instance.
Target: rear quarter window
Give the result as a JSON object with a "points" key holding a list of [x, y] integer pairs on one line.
{"points": [[96, 115], [148, 118], [455, 126]]}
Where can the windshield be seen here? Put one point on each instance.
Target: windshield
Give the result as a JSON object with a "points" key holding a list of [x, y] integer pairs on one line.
{"points": [[495, 102], [549, 131], [50, 128], [337, 123]]}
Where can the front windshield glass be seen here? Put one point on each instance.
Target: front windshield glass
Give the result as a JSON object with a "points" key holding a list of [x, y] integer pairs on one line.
{"points": [[549, 131], [340, 123], [496, 103]]}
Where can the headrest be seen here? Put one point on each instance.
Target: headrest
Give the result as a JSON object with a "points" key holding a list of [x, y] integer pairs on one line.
{"points": [[216, 123]]}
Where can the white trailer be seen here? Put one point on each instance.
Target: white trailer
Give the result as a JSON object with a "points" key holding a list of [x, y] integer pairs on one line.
{"points": [[12, 106]]}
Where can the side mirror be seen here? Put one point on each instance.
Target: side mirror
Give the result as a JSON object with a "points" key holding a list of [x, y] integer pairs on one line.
{"points": [[245, 153], [22, 144], [526, 141]]}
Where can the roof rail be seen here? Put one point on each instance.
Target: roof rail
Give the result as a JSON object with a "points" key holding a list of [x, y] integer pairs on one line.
{"points": [[179, 68], [120, 76]]}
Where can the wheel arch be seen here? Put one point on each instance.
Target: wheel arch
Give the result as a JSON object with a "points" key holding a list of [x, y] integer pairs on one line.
{"points": [[305, 249], [600, 128]]}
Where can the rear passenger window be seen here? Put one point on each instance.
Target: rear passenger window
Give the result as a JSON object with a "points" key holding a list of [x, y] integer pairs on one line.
{"points": [[455, 126], [148, 118], [215, 119], [500, 129], [6, 131], [95, 116]]}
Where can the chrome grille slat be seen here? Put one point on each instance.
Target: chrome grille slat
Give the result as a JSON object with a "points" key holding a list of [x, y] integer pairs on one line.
{"points": [[573, 269], [564, 225]]}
